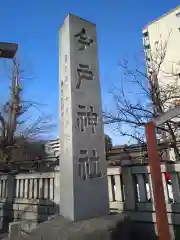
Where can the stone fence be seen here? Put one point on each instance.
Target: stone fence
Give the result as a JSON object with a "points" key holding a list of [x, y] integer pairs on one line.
{"points": [[132, 192], [30, 197], [34, 197]]}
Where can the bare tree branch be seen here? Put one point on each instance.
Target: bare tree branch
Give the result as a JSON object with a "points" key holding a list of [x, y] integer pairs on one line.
{"points": [[148, 100], [16, 128]]}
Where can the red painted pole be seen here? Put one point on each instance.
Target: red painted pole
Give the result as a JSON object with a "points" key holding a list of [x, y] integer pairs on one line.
{"points": [[157, 184]]}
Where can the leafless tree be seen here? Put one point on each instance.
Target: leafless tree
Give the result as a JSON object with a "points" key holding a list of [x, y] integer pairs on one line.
{"points": [[153, 91], [16, 129]]}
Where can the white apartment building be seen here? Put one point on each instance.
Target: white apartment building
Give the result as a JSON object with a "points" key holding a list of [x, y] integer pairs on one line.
{"points": [[52, 148], [162, 36], [161, 40]]}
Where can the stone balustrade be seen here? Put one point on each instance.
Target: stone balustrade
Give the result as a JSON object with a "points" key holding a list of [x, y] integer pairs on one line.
{"points": [[35, 186], [35, 196], [130, 191]]}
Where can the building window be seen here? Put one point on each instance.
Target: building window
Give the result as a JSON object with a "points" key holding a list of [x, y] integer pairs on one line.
{"points": [[148, 59], [147, 46], [145, 34], [178, 15]]}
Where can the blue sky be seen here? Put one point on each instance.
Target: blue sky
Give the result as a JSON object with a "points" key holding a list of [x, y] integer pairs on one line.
{"points": [[34, 26]]}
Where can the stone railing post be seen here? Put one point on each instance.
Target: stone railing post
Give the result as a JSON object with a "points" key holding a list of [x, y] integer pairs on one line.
{"points": [[4, 189], [110, 188], [14, 231], [8, 210], [129, 189], [57, 188], [26, 188], [51, 191], [118, 184], [11, 188]]}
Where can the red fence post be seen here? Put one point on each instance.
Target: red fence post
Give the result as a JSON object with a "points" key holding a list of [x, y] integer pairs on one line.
{"points": [[157, 184]]}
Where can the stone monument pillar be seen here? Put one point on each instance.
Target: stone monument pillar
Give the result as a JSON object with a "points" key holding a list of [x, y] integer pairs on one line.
{"points": [[83, 168]]}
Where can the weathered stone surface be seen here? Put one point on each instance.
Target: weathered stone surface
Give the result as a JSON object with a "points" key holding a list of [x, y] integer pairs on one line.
{"points": [[14, 231], [104, 228], [83, 167], [61, 228]]}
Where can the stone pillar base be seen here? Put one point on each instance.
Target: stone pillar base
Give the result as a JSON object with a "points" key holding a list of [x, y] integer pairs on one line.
{"points": [[105, 228]]}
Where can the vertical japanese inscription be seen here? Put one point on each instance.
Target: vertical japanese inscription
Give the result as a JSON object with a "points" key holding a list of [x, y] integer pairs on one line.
{"points": [[88, 166], [83, 40], [87, 118], [66, 69], [84, 73], [65, 104], [63, 83], [62, 99], [66, 85]]}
